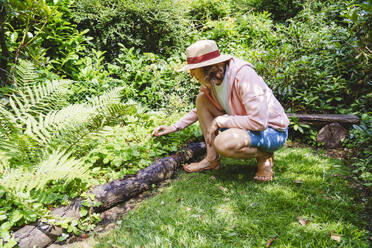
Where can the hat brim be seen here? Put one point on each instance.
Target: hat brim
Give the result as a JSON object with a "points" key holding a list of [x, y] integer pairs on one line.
{"points": [[217, 60]]}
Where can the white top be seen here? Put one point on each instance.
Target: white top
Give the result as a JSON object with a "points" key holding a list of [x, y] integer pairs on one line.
{"points": [[222, 92]]}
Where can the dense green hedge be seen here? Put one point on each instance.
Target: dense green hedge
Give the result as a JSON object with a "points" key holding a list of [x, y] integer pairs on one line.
{"points": [[154, 26]]}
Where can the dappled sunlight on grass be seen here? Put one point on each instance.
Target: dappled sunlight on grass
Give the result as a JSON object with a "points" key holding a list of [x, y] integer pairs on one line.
{"points": [[225, 212], [227, 208]]}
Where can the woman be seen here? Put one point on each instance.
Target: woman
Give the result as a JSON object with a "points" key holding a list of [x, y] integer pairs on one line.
{"points": [[236, 101]]}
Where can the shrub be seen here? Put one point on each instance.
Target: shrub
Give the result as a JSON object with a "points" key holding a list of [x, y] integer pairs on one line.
{"points": [[202, 11], [243, 32], [361, 143], [155, 26], [153, 81], [40, 31], [281, 10]]}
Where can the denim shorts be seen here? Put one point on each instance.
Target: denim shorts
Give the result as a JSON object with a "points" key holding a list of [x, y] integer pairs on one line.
{"points": [[268, 140]]}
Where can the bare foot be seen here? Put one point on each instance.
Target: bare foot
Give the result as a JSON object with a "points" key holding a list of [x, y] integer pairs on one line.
{"points": [[205, 164], [265, 169]]}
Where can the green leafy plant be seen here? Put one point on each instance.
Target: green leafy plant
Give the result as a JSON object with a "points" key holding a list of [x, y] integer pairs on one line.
{"points": [[360, 142], [153, 80], [38, 128], [155, 26]]}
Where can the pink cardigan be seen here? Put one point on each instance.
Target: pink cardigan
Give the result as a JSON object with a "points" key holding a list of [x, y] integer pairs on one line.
{"points": [[252, 103]]}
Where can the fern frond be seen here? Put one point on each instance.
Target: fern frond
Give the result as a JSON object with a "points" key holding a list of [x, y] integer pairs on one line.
{"points": [[4, 158], [108, 104], [55, 123], [39, 98], [58, 166], [64, 127], [75, 117], [108, 97], [26, 73], [8, 121]]}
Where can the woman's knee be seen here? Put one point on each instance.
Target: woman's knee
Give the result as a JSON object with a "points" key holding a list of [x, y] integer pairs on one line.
{"points": [[231, 141]]}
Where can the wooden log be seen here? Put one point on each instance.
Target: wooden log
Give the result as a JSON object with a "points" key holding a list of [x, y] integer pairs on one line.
{"points": [[110, 194], [117, 191], [326, 118]]}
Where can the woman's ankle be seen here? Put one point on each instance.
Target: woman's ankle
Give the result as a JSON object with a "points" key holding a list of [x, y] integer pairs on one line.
{"points": [[265, 159], [212, 157]]}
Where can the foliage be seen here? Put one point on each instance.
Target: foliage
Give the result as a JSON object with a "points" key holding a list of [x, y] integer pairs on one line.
{"points": [[361, 143], [281, 10], [40, 31], [119, 150], [359, 14], [207, 10], [38, 128], [29, 19], [153, 81], [153, 26], [303, 131]]}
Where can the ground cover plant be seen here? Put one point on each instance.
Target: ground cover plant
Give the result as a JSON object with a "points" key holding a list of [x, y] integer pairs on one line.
{"points": [[309, 204]]}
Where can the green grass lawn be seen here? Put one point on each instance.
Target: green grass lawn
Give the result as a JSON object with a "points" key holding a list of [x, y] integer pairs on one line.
{"points": [[226, 208]]}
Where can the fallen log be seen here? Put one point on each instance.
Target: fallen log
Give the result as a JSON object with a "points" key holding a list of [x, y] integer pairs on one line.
{"points": [[332, 132], [110, 194], [326, 118], [41, 234]]}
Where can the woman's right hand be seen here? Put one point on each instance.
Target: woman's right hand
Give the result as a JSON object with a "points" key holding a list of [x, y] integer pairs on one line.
{"points": [[163, 130]]}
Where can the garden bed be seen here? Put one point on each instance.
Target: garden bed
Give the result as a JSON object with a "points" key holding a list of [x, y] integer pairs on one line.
{"points": [[109, 195]]}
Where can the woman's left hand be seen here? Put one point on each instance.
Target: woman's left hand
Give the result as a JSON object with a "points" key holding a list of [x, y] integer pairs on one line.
{"points": [[212, 132]]}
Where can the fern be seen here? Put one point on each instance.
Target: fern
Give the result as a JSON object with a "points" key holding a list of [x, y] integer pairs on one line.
{"points": [[8, 121], [38, 128], [39, 98], [27, 188], [26, 73], [4, 158], [58, 166], [69, 121]]}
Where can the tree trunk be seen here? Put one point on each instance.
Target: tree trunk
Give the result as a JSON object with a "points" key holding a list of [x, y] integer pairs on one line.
{"points": [[4, 49]]}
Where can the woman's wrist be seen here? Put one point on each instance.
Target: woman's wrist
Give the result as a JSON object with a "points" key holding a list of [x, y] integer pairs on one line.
{"points": [[175, 128]]}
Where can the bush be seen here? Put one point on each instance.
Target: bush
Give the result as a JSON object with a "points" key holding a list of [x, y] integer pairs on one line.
{"points": [[361, 143], [202, 11], [281, 10], [153, 80], [155, 26]]}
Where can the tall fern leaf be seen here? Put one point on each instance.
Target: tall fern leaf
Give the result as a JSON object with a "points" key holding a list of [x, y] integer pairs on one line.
{"points": [[26, 73], [39, 98], [59, 166]]}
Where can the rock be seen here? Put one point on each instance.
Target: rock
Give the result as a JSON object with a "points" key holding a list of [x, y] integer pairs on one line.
{"points": [[332, 135]]}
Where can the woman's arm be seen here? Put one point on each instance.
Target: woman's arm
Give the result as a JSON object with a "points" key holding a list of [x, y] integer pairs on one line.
{"points": [[184, 122]]}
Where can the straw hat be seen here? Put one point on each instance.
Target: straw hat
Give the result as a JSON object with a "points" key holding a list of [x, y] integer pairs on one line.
{"points": [[203, 53]]}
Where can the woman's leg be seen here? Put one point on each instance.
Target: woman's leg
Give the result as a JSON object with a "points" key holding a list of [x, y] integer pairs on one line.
{"points": [[235, 143], [206, 113]]}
